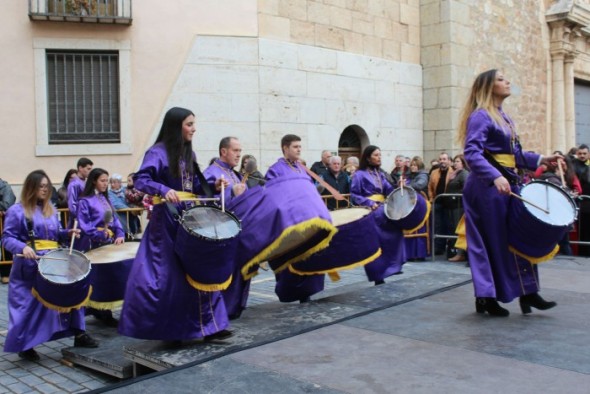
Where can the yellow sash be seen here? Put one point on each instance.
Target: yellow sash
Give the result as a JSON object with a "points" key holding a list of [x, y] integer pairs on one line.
{"points": [[108, 230], [377, 197], [183, 196], [505, 159], [44, 244]]}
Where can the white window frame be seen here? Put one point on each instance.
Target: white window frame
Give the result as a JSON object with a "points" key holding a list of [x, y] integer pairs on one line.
{"points": [[43, 148]]}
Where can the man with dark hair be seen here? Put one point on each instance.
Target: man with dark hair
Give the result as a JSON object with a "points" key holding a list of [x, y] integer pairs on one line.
{"points": [[322, 166], [291, 285], [230, 150], [7, 199], [439, 178], [76, 186], [582, 168]]}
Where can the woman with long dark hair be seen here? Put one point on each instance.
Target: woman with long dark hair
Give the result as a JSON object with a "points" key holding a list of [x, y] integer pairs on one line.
{"points": [[159, 301], [30, 322], [487, 132], [62, 192], [369, 188]]}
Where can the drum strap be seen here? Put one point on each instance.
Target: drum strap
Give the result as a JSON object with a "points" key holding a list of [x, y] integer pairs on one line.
{"points": [[202, 180], [31, 233], [512, 179]]}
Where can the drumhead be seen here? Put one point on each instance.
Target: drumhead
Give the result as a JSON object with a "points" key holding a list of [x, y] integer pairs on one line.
{"points": [[113, 253], [561, 207], [211, 223], [348, 215], [398, 206], [60, 267]]}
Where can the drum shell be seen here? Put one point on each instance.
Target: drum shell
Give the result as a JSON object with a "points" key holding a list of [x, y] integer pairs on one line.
{"points": [[530, 236], [63, 297], [209, 263], [416, 216], [356, 243]]}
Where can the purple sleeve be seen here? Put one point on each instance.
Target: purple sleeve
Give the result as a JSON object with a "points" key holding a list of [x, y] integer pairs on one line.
{"points": [[478, 127], [357, 191], [15, 230], [73, 196], [86, 223], [145, 178], [211, 174]]}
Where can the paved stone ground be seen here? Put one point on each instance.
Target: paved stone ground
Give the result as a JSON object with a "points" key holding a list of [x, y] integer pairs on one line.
{"points": [[49, 375]]}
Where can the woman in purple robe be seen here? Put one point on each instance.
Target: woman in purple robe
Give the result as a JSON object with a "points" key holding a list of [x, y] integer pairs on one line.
{"points": [[489, 136], [100, 226], [30, 322], [159, 301], [369, 188]]}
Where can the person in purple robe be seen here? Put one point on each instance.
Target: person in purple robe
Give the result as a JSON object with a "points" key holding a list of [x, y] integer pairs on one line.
{"points": [[30, 322], [230, 150], [159, 301], [100, 226], [290, 286], [76, 186], [489, 136], [369, 188]]}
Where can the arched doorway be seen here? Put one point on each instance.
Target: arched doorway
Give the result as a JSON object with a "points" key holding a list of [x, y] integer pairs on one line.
{"points": [[352, 141]]}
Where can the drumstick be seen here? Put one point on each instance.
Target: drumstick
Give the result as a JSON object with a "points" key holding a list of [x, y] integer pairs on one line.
{"points": [[332, 191], [37, 257], [528, 202], [73, 235], [560, 165], [401, 181], [222, 194], [245, 178], [197, 199]]}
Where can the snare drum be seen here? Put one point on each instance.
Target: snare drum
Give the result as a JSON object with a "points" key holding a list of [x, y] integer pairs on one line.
{"points": [[532, 233], [111, 265], [407, 208], [62, 281], [355, 244], [206, 244]]}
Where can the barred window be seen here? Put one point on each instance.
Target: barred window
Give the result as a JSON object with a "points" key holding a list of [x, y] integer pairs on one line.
{"points": [[83, 96]]}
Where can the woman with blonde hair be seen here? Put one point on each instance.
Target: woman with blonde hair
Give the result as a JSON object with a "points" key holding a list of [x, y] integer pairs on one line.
{"points": [[30, 322], [493, 152]]}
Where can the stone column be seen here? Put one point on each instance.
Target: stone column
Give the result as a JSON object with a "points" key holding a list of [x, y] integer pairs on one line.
{"points": [[569, 102], [558, 135]]}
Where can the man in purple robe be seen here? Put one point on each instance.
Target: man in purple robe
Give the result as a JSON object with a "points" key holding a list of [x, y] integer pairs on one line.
{"points": [[76, 186], [230, 150], [290, 286]]}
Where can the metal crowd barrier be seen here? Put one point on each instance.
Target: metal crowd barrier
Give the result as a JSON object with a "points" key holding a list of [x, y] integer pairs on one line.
{"points": [[64, 214], [340, 204]]}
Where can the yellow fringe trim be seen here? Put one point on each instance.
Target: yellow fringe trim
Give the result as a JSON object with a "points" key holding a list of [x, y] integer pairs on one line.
{"points": [[44, 244], [334, 276], [535, 260], [61, 309], [319, 223], [406, 232], [208, 287], [108, 230], [461, 242], [346, 267], [104, 305]]}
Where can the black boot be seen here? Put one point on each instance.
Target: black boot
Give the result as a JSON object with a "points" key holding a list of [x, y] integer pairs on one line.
{"points": [[491, 306], [536, 301]]}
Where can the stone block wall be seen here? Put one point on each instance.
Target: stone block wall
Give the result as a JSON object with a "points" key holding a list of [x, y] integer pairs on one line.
{"points": [[388, 29], [259, 89]]}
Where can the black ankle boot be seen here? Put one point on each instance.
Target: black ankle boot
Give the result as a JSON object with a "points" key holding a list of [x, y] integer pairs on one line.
{"points": [[491, 306], [536, 301]]}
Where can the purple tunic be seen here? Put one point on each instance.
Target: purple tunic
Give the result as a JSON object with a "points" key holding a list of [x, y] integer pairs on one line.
{"points": [[366, 183], [91, 216], [75, 189], [496, 272], [236, 295], [159, 302], [31, 323], [290, 286]]}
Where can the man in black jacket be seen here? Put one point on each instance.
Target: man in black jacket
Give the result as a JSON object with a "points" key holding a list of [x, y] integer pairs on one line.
{"points": [[582, 168], [338, 179], [7, 199]]}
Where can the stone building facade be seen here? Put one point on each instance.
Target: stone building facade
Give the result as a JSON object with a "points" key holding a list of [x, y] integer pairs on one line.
{"points": [[341, 73]]}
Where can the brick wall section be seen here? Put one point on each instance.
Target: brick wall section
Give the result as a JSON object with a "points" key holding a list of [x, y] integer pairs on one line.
{"points": [[461, 38], [388, 29]]}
